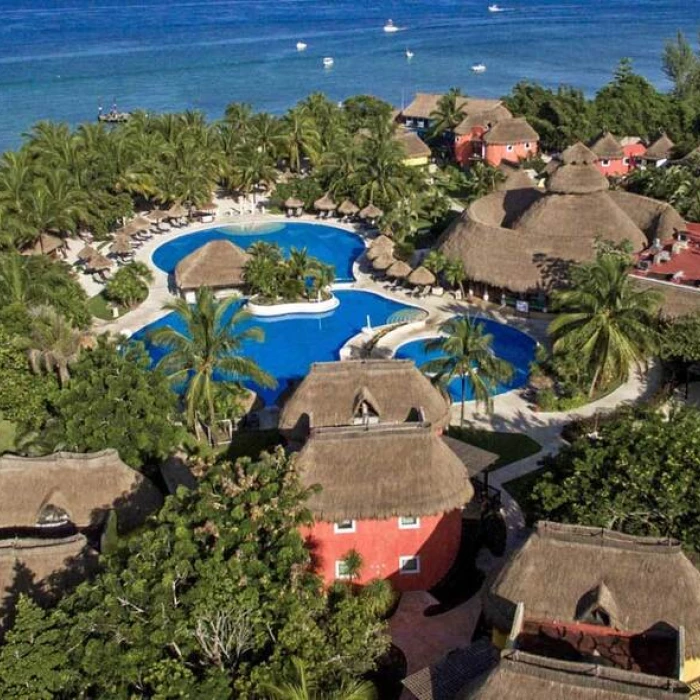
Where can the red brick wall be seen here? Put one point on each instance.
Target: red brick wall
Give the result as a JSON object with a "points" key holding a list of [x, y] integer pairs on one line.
{"points": [[381, 543]]}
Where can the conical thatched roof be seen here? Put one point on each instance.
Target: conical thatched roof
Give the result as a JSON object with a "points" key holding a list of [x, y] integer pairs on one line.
{"points": [[348, 208], [293, 203], [325, 203], [383, 262], [121, 246], [98, 263], [177, 211], [606, 146], [577, 179], [377, 472], [421, 277], [87, 253], [140, 223], [382, 243], [523, 676], [329, 395], [45, 243], [511, 131], [157, 215], [85, 486], [578, 154], [659, 150], [371, 212], [557, 571], [218, 264], [399, 270]]}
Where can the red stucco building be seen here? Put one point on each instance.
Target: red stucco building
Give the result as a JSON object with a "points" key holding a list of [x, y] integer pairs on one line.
{"points": [[388, 485], [617, 157]]}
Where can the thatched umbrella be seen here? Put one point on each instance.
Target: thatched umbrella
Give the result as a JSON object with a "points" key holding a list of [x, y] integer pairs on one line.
{"points": [[157, 215], [383, 262], [140, 223], [46, 243], [399, 270], [371, 213], [177, 211], [348, 208], [383, 243], [293, 203], [87, 253], [120, 246], [98, 263], [325, 204], [421, 277]]}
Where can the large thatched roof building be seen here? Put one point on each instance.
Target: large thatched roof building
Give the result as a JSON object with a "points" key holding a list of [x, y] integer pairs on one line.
{"points": [[525, 240], [360, 391], [575, 575], [79, 489], [218, 264], [393, 493]]}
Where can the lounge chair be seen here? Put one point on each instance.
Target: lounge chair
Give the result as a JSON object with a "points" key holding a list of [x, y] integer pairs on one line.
{"points": [[438, 291]]}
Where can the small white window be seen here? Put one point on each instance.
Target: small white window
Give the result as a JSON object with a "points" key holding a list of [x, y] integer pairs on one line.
{"points": [[527, 145], [409, 523], [409, 565], [605, 163], [344, 526], [341, 569], [626, 161], [509, 148]]}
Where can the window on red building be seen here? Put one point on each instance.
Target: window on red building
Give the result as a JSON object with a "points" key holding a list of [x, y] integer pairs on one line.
{"points": [[409, 565], [409, 523], [344, 526]]}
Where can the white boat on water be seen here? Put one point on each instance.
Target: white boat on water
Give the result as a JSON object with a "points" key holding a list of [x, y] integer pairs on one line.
{"points": [[495, 8], [327, 62], [409, 54], [478, 68], [390, 27], [301, 46]]}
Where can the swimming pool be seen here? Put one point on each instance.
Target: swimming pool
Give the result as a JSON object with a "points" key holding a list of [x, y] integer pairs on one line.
{"points": [[508, 343], [332, 245], [292, 343]]}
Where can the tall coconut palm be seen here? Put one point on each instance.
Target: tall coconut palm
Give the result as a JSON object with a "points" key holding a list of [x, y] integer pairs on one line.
{"points": [[208, 350], [301, 687], [467, 353], [607, 322], [252, 170], [449, 112], [53, 344], [301, 137], [266, 134]]}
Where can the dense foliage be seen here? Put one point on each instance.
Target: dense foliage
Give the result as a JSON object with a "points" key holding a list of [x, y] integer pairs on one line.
{"points": [[129, 284], [213, 599], [637, 473]]}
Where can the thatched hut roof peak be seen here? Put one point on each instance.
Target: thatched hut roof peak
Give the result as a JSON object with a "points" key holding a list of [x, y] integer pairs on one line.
{"points": [[348, 208], [421, 277], [325, 203], [516, 130], [578, 154], [217, 264], [606, 146], [577, 179], [371, 212], [660, 149]]}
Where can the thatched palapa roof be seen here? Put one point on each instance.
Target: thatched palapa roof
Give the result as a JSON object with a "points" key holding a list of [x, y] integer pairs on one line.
{"points": [[424, 104], [332, 393], [85, 486], [325, 203], [421, 277], [45, 243], [661, 149], [121, 246], [650, 580], [157, 215], [177, 211], [412, 144], [293, 203], [399, 270], [474, 458], [484, 119], [376, 472], [523, 676], [371, 212], [218, 264], [677, 299], [383, 262], [86, 253], [98, 263], [525, 240], [511, 131], [348, 208], [606, 146]]}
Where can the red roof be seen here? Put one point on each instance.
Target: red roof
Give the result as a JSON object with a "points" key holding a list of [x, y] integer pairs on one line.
{"points": [[675, 261]]}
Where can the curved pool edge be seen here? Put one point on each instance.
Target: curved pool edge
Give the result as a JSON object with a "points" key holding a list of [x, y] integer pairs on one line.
{"points": [[292, 309]]}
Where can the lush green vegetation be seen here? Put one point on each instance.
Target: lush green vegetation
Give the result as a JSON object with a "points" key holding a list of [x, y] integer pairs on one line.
{"points": [[677, 184], [129, 284], [636, 473], [213, 598], [510, 447], [275, 280], [466, 352]]}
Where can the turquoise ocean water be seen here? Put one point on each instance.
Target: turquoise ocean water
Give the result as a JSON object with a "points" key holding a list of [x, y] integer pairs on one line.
{"points": [[60, 59]]}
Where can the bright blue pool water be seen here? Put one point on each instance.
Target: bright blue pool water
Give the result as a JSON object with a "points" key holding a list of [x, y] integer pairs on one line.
{"points": [[508, 343], [292, 343], [331, 245]]}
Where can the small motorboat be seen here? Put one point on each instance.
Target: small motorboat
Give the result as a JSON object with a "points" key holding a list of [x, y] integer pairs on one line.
{"points": [[390, 27], [478, 68], [409, 54], [495, 8], [301, 46], [327, 62]]}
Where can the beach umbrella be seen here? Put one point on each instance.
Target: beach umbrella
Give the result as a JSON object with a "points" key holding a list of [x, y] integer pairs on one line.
{"points": [[348, 208], [87, 253], [325, 203], [383, 262], [140, 223], [177, 211], [371, 212], [157, 215], [46, 243], [293, 203], [98, 263], [421, 277], [120, 246], [383, 243], [399, 270]]}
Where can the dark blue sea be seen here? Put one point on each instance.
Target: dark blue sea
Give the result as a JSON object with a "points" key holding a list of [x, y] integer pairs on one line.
{"points": [[61, 59]]}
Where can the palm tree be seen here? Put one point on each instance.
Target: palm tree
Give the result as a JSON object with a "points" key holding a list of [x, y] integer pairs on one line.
{"points": [[301, 137], [252, 170], [435, 261], [299, 263], [54, 345], [266, 134], [301, 687], [482, 179], [323, 276], [454, 274], [607, 322], [449, 112], [468, 354], [210, 346]]}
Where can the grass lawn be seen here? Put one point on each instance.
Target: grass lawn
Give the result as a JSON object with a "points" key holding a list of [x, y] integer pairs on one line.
{"points": [[520, 490], [7, 435], [99, 307], [510, 447]]}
